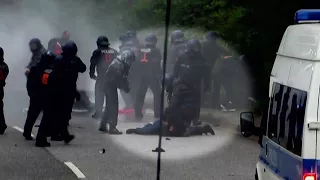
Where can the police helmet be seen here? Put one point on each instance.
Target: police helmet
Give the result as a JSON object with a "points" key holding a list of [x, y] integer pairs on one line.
{"points": [[151, 39], [131, 34], [102, 41], [177, 37], [35, 44], [123, 38], [127, 57], [70, 48], [193, 45]]}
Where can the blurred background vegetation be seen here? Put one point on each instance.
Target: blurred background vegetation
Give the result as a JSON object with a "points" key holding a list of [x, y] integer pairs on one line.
{"points": [[253, 28]]}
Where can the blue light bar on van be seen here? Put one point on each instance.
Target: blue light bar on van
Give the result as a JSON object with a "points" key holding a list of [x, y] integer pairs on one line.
{"points": [[307, 16]]}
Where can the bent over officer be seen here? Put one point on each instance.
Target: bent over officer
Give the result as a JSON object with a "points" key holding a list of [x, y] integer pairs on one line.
{"points": [[115, 77], [192, 68]]}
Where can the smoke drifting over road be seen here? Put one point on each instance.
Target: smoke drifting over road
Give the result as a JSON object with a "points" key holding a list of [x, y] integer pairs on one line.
{"points": [[45, 19]]}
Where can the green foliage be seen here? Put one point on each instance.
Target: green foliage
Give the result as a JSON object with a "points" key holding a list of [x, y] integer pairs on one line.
{"points": [[254, 28]]}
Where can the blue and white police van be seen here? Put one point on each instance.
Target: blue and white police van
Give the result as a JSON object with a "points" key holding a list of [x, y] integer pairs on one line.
{"points": [[290, 146]]}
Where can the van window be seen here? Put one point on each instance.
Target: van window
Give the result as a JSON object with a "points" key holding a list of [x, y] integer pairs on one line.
{"points": [[286, 117]]}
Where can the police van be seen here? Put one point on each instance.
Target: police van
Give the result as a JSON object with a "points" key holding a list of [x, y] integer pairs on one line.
{"points": [[290, 146]]}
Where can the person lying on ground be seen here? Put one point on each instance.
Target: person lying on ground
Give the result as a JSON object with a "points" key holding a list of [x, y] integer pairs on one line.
{"points": [[178, 115]]}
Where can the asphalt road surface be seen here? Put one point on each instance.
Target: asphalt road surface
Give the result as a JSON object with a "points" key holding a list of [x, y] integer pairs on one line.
{"points": [[94, 155]]}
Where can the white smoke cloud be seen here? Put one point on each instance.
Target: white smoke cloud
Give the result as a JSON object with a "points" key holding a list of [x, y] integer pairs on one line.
{"points": [[23, 20]]}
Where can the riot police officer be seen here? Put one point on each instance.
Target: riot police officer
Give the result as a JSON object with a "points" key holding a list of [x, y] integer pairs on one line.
{"points": [[222, 66], [4, 71], [37, 92], [100, 60], [210, 49], [132, 36], [178, 46], [149, 64], [37, 50], [192, 68], [60, 81], [74, 66], [34, 91], [130, 42], [178, 115], [115, 77]]}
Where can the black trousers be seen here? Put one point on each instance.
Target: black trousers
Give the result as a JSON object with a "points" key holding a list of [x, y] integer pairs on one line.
{"points": [[35, 107], [99, 98], [69, 99], [46, 127], [220, 79], [110, 115], [56, 115], [154, 85], [2, 119], [129, 98]]}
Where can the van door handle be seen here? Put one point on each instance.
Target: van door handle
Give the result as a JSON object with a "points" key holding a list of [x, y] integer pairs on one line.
{"points": [[266, 149]]}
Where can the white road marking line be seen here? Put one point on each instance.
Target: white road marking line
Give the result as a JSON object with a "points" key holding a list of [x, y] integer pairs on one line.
{"points": [[21, 130], [75, 170], [79, 110], [18, 129]]}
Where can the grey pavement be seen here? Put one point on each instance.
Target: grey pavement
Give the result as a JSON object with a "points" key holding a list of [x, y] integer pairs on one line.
{"points": [[223, 156], [227, 155], [21, 160]]}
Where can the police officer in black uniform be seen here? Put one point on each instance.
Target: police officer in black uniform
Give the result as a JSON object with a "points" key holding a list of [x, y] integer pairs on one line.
{"points": [[210, 50], [132, 36], [130, 42], [4, 71], [37, 50], [178, 115], [193, 68], [178, 46], [222, 68], [100, 60], [60, 80], [34, 91], [115, 77], [74, 67], [149, 64]]}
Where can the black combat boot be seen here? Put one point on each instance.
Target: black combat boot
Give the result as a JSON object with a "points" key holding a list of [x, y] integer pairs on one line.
{"points": [[114, 131]]}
